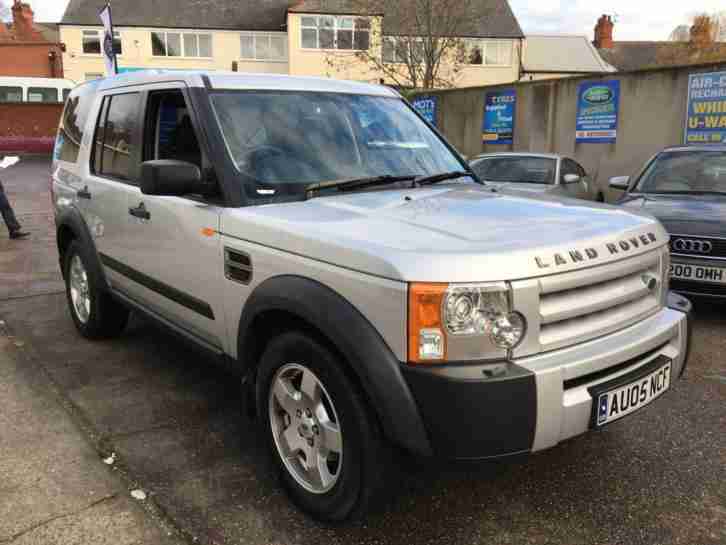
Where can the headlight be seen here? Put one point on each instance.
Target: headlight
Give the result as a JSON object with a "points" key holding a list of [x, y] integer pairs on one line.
{"points": [[476, 317]]}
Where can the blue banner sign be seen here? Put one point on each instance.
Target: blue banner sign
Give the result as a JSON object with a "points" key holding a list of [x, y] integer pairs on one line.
{"points": [[427, 107], [598, 105], [499, 112], [706, 123]]}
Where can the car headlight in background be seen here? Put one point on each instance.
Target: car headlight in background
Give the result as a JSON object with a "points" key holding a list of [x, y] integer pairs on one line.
{"points": [[665, 275], [442, 316]]}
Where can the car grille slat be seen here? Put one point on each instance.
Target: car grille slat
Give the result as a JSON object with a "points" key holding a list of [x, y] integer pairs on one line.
{"points": [[582, 305], [578, 302]]}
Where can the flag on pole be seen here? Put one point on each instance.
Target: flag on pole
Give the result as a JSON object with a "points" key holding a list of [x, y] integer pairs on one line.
{"points": [[109, 55]]}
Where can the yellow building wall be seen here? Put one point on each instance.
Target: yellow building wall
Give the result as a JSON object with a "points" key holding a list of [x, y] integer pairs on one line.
{"points": [[136, 53], [327, 63]]}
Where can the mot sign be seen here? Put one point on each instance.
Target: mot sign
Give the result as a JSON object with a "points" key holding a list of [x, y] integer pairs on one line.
{"points": [[706, 123], [597, 112], [427, 107]]}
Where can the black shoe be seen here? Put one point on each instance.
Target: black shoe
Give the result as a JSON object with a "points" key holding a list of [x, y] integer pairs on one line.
{"points": [[19, 234]]}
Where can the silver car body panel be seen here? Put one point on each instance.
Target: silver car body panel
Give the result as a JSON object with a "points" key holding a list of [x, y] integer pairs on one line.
{"points": [[454, 233]]}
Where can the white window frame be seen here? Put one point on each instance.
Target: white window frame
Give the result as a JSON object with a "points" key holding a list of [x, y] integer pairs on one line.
{"points": [[264, 36], [182, 44], [99, 35], [395, 40], [337, 26], [484, 44]]}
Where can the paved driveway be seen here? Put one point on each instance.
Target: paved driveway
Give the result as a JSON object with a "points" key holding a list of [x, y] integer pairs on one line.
{"points": [[174, 421]]}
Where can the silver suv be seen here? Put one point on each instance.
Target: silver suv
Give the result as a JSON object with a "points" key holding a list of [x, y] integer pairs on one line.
{"points": [[326, 243]]}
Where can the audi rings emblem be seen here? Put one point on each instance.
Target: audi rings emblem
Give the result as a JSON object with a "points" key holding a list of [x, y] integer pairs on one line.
{"points": [[692, 246]]}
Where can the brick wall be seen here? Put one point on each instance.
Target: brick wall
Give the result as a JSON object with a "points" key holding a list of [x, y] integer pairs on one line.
{"points": [[28, 127], [31, 59]]}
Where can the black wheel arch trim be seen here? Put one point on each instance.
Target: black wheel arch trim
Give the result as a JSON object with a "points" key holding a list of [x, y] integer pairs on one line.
{"points": [[365, 351], [72, 219]]}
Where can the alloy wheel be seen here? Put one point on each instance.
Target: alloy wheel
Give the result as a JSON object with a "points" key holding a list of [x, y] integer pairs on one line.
{"points": [[305, 428]]}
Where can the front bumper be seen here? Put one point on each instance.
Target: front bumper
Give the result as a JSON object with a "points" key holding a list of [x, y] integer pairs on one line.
{"points": [[533, 403], [698, 288]]}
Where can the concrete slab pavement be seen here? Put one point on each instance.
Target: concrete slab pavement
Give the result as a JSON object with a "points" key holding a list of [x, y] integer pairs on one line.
{"points": [[54, 487]]}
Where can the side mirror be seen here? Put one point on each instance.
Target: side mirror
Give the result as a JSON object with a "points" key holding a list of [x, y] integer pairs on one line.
{"points": [[620, 182], [167, 177], [572, 178]]}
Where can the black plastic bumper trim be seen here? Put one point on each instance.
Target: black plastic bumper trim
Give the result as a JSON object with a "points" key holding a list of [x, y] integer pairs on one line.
{"points": [[476, 411], [179, 297]]}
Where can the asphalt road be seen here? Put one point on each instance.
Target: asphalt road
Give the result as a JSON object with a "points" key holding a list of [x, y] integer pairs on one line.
{"points": [[174, 422]]}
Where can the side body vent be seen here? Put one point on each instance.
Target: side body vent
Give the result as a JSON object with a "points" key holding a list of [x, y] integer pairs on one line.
{"points": [[237, 266]]}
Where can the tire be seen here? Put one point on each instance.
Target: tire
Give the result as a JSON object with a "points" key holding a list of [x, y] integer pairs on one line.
{"points": [[358, 470], [600, 198], [101, 316]]}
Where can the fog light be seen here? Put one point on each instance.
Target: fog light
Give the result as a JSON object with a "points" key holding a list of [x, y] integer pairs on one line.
{"points": [[507, 331], [430, 344]]}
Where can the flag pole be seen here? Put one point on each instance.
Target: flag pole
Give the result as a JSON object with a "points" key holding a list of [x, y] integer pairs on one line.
{"points": [[108, 40]]}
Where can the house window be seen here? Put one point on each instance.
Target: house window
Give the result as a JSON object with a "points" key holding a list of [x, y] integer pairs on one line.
{"points": [[489, 52], [92, 42], [11, 94], [330, 32], [42, 94], [402, 50], [262, 46], [181, 44]]}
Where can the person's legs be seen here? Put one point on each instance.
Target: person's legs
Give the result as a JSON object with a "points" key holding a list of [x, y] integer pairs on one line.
{"points": [[7, 213]]}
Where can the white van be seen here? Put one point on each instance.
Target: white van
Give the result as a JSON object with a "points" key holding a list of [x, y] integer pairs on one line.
{"points": [[21, 89]]}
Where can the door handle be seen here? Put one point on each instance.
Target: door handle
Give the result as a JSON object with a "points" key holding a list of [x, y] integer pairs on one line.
{"points": [[84, 193], [140, 212]]}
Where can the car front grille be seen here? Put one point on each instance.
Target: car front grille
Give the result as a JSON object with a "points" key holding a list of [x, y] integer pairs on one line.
{"points": [[699, 247], [582, 305]]}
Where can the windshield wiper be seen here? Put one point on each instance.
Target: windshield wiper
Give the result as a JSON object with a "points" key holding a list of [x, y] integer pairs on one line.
{"points": [[360, 183], [436, 178], [357, 183]]}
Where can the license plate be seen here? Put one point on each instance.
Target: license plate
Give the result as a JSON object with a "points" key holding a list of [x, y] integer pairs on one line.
{"points": [[714, 275], [618, 401]]}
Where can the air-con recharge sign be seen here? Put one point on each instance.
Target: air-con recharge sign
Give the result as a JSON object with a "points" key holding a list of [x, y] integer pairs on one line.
{"points": [[706, 123], [598, 105]]}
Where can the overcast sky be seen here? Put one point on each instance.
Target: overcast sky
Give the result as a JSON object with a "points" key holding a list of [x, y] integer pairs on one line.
{"points": [[636, 19]]}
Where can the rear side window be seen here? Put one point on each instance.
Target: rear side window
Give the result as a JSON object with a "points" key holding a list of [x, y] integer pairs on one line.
{"points": [[73, 123], [117, 137], [43, 94], [11, 94]]}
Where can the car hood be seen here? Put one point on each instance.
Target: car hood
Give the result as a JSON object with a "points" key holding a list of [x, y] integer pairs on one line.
{"points": [[453, 233], [698, 215]]}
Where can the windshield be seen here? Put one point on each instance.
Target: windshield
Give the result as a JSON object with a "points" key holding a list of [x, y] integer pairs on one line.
{"points": [[282, 142], [531, 170], [685, 172]]}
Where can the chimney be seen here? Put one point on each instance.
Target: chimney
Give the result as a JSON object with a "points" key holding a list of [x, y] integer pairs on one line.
{"points": [[23, 25], [702, 31], [604, 33]]}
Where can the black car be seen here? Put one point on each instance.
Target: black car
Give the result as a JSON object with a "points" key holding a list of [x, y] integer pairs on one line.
{"points": [[685, 188]]}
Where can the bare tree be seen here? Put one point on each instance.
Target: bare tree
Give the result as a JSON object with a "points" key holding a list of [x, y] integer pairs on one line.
{"points": [[419, 44]]}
